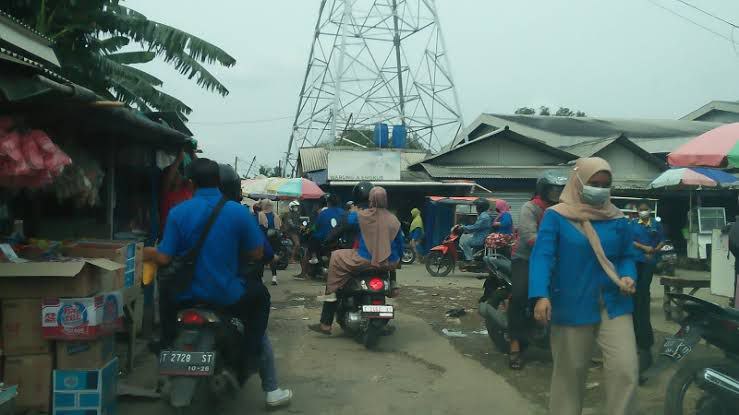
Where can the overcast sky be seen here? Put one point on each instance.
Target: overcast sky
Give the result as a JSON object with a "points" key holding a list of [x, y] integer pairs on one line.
{"points": [[626, 58]]}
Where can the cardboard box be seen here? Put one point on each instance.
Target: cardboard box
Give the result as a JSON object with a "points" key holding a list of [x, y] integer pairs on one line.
{"points": [[32, 374], [127, 253], [71, 278], [85, 354], [82, 318], [86, 391], [21, 328]]}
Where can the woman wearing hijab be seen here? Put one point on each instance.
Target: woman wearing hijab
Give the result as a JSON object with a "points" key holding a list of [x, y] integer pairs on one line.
{"points": [[582, 272], [417, 232], [270, 224], [380, 247], [504, 221]]}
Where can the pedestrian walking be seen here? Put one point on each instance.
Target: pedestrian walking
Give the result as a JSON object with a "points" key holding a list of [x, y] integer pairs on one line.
{"points": [[582, 272]]}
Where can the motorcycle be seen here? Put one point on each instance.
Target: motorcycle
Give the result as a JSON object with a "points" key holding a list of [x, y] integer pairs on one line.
{"points": [[284, 247], [442, 259], [717, 379], [668, 259], [206, 361], [493, 307], [362, 311]]}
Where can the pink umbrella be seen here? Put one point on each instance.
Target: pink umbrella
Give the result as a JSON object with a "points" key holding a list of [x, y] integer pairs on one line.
{"points": [[716, 148]]}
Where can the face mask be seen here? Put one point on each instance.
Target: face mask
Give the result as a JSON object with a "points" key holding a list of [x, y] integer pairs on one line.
{"points": [[594, 196], [644, 214]]}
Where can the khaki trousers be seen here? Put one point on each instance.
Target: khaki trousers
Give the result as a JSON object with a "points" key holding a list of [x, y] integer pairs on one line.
{"points": [[572, 350]]}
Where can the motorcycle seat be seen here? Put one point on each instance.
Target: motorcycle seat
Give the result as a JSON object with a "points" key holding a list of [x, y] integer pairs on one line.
{"points": [[732, 312]]}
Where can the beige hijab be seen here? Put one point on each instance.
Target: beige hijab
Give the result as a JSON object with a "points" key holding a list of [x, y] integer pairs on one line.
{"points": [[572, 207], [378, 226]]}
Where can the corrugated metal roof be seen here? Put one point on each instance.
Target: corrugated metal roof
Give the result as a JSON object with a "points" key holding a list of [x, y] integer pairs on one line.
{"points": [[313, 159], [654, 136], [589, 148], [316, 158], [489, 172]]}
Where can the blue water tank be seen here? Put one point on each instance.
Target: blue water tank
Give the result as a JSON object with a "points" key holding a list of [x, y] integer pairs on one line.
{"points": [[400, 133], [381, 135]]}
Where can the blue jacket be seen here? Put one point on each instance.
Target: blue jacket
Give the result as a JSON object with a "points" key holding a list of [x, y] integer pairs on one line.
{"points": [[482, 227], [650, 234], [216, 279], [563, 268], [506, 223]]}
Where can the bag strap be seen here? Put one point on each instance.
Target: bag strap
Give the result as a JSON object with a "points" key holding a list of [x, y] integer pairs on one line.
{"points": [[195, 251]]}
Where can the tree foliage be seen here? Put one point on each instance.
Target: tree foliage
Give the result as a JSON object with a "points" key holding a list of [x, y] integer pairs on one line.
{"points": [[90, 37], [267, 171], [545, 111]]}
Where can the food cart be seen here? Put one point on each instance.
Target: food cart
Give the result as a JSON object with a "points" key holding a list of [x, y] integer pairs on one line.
{"points": [[702, 221]]}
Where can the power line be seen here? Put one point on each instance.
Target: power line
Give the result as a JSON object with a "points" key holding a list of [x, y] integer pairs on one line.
{"points": [[707, 13], [721, 35], [257, 121]]}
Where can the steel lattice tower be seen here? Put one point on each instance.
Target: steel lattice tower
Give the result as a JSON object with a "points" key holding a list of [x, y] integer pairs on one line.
{"points": [[376, 61]]}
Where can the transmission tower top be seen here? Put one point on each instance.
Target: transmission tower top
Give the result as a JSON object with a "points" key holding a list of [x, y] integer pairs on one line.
{"points": [[376, 61]]}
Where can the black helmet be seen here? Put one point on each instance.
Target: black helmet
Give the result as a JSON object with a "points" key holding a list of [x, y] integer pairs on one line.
{"points": [[481, 204], [550, 180], [360, 193], [230, 183], [331, 199]]}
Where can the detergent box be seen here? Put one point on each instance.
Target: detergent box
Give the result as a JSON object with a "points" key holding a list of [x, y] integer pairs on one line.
{"points": [[82, 318]]}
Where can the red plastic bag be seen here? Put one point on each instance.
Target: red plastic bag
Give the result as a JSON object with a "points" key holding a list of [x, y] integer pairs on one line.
{"points": [[10, 146], [56, 161], [42, 140], [32, 153]]}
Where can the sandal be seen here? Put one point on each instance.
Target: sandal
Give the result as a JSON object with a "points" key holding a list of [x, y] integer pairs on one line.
{"points": [[514, 361], [318, 329]]}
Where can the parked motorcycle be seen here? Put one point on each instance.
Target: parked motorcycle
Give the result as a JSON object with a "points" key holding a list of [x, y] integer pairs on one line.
{"points": [[668, 259], [716, 379], [442, 259], [493, 307], [206, 361], [362, 311]]}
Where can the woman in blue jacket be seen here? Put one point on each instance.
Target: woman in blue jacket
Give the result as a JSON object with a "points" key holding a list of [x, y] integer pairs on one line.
{"points": [[582, 273]]}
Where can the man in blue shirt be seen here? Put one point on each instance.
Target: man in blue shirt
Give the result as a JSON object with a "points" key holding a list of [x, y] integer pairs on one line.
{"points": [[216, 280], [327, 219], [648, 240], [479, 230]]}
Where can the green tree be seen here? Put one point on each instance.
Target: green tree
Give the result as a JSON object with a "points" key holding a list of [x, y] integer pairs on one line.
{"points": [[90, 37], [545, 111], [525, 111], [270, 171]]}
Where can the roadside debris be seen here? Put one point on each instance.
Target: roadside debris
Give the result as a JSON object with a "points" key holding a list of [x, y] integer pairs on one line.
{"points": [[456, 312], [453, 333]]}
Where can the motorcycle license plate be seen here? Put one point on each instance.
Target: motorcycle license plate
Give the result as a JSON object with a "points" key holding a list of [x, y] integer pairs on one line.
{"points": [[378, 311], [677, 347], [176, 363]]}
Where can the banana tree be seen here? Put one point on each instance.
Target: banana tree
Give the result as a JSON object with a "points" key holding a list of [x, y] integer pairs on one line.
{"points": [[98, 42]]}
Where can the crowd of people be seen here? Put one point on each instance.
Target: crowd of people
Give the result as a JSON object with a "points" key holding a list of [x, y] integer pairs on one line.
{"points": [[584, 267]]}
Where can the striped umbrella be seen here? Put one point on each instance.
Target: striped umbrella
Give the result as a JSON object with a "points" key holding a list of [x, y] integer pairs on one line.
{"points": [[299, 188], [693, 176], [716, 148]]}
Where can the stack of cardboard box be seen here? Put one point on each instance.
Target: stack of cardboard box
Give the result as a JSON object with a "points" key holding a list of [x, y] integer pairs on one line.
{"points": [[59, 317]]}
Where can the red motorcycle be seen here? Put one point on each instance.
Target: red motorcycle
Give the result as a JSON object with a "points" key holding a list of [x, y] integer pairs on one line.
{"points": [[442, 259]]}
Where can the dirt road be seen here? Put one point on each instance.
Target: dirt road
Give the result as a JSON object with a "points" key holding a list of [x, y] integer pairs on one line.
{"points": [[414, 371]]}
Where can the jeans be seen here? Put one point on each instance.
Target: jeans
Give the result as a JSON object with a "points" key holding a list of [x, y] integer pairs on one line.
{"points": [[267, 371], [468, 248], [642, 306]]}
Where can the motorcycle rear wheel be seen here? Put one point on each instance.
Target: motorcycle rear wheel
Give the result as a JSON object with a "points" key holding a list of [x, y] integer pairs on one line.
{"points": [[374, 331], [685, 377], [438, 264]]}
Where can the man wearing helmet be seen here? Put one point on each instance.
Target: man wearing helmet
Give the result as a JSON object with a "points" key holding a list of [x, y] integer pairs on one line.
{"points": [[548, 189], [479, 230]]}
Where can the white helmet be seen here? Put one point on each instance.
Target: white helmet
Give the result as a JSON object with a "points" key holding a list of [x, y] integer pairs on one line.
{"points": [[294, 204]]}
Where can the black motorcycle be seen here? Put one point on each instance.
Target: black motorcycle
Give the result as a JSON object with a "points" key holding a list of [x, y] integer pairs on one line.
{"points": [[362, 311], [493, 307], [716, 378], [667, 259], [409, 254], [206, 362]]}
